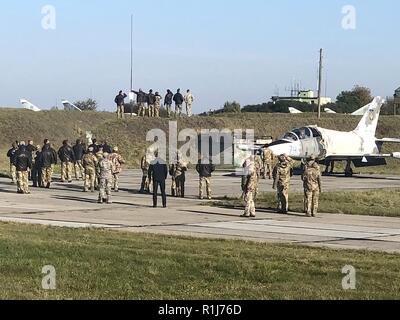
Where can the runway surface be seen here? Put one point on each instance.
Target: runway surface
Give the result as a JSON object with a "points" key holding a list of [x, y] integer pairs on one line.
{"points": [[66, 205]]}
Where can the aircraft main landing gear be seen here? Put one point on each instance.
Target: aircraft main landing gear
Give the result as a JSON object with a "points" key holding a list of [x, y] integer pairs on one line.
{"points": [[349, 171]]}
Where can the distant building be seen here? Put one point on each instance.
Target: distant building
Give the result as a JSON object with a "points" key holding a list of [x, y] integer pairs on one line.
{"points": [[306, 97]]}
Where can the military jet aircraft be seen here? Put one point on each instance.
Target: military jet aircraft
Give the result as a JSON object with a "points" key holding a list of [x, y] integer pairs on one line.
{"points": [[359, 146]]}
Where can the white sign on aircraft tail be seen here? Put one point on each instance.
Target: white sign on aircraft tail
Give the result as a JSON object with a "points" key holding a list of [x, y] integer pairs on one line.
{"points": [[68, 106], [29, 106]]}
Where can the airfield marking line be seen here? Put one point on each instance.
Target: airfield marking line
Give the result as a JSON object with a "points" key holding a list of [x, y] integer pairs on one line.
{"points": [[321, 226], [62, 223]]}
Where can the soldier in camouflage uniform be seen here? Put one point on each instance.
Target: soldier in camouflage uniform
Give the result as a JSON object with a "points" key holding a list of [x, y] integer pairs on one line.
{"points": [[172, 173], [249, 188], [99, 156], [117, 162], [146, 180], [11, 154], [90, 164], [268, 159], [106, 179], [180, 178], [312, 187], [282, 175], [157, 105], [258, 165]]}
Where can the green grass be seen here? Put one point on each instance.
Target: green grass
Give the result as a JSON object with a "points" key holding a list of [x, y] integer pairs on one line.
{"points": [[111, 265], [382, 202]]}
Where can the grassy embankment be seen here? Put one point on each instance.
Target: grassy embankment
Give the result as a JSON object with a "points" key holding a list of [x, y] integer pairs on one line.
{"points": [[95, 264], [130, 135]]}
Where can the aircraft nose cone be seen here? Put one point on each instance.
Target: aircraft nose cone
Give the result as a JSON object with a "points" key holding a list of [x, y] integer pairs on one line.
{"points": [[281, 147]]}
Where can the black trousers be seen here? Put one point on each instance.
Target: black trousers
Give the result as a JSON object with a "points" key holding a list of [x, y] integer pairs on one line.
{"points": [[36, 176], [180, 187], [156, 185]]}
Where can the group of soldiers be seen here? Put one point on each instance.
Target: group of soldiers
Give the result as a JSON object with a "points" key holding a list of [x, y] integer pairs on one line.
{"points": [[150, 103], [256, 167], [99, 166], [177, 170]]}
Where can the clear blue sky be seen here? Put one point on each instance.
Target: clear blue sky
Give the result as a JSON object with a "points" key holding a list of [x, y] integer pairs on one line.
{"points": [[222, 49]]}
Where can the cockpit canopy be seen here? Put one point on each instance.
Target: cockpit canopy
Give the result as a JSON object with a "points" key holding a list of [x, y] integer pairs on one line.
{"points": [[302, 134]]}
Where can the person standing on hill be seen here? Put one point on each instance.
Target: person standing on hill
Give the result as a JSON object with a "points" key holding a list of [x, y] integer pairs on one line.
{"points": [[120, 101], [189, 102], [141, 101], [157, 105], [151, 100], [168, 102], [178, 99]]}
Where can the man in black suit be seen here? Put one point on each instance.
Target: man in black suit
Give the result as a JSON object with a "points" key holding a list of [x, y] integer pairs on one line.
{"points": [[158, 172]]}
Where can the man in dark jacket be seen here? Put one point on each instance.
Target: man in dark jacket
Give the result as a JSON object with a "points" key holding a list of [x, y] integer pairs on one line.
{"points": [[151, 100], [37, 168], [107, 148], [158, 172], [120, 101], [47, 161], [178, 99], [67, 157], [23, 162], [95, 146], [141, 101], [11, 154], [168, 102], [31, 148], [47, 142], [79, 150], [205, 168]]}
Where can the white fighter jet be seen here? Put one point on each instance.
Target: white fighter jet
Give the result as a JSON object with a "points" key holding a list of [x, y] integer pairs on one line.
{"points": [[29, 106], [359, 146]]}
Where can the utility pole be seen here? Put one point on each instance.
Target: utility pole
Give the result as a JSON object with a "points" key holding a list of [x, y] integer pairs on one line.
{"points": [[320, 82], [130, 92], [131, 52]]}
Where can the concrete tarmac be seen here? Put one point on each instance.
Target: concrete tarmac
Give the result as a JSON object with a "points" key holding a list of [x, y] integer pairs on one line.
{"points": [[65, 205]]}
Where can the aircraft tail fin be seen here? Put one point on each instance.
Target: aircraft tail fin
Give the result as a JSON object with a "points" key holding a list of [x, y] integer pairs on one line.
{"points": [[68, 106], [294, 111], [29, 106], [369, 122]]}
